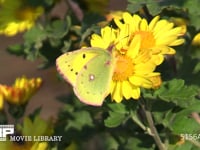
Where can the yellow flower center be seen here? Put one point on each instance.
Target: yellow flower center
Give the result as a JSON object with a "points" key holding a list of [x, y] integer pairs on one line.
{"points": [[147, 39], [124, 68]]}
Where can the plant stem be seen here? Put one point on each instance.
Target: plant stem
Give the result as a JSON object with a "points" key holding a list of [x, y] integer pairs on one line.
{"points": [[138, 122], [153, 129]]}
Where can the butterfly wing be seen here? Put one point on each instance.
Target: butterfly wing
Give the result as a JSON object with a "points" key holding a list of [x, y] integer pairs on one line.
{"points": [[93, 81], [89, 70], [71, 63]]}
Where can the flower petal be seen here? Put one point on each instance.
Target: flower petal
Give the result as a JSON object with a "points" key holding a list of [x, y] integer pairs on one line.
{"points": [[127, 89], [140, 81], [117, 92], [135, 92], [134, 47]]}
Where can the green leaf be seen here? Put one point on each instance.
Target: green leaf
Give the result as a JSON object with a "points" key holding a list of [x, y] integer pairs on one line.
{"points": [[139, 142], [116, 116], [175, 91], [109, 142], [136, 5], [114, 119], [89, 20], [185, 146], [36, 127], [189, 67], [117, 107], [80, 119], [35, 35], [58, 28], [16, 49], [191, 6], [184, 123], [66, 47], [161, 110], [197, 68]]}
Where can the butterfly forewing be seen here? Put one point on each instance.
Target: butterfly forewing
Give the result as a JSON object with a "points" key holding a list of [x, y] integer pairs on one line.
{"points": [[70, 64]]}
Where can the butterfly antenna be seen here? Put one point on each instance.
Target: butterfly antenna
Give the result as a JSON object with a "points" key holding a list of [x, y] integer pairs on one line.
{"points": [[113, 44], [110, 47]]}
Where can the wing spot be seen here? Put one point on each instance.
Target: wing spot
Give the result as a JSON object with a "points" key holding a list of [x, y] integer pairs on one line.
{"points": [[107, 63], [84, 56], [76, 73], [91, 77], [71, 69]]}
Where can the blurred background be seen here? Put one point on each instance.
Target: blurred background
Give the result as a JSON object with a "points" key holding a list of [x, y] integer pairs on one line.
{"points": [[12, 67]]}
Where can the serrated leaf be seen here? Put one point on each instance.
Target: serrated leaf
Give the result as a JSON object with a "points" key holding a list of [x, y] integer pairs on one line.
{"points": [[117, 107], [160, 110], [58, 28], [184, 123], [109, 142], [117, 115], [134, 5], [140, 142], [114, 119], [80, 119], [35, 35], [175, 91], [36, 127], [172, 2], [153, 6]]}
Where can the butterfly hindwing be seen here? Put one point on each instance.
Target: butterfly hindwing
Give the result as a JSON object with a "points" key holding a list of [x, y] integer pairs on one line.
{"points": [[92, 85]]}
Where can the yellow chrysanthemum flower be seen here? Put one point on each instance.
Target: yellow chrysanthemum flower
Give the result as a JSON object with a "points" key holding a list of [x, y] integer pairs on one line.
{"points": [[196, 40], [114, 14], [133, 69], [21, 91], [8, 145], [1, 100], [181, 22], [157, 37], [17, 16]]}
